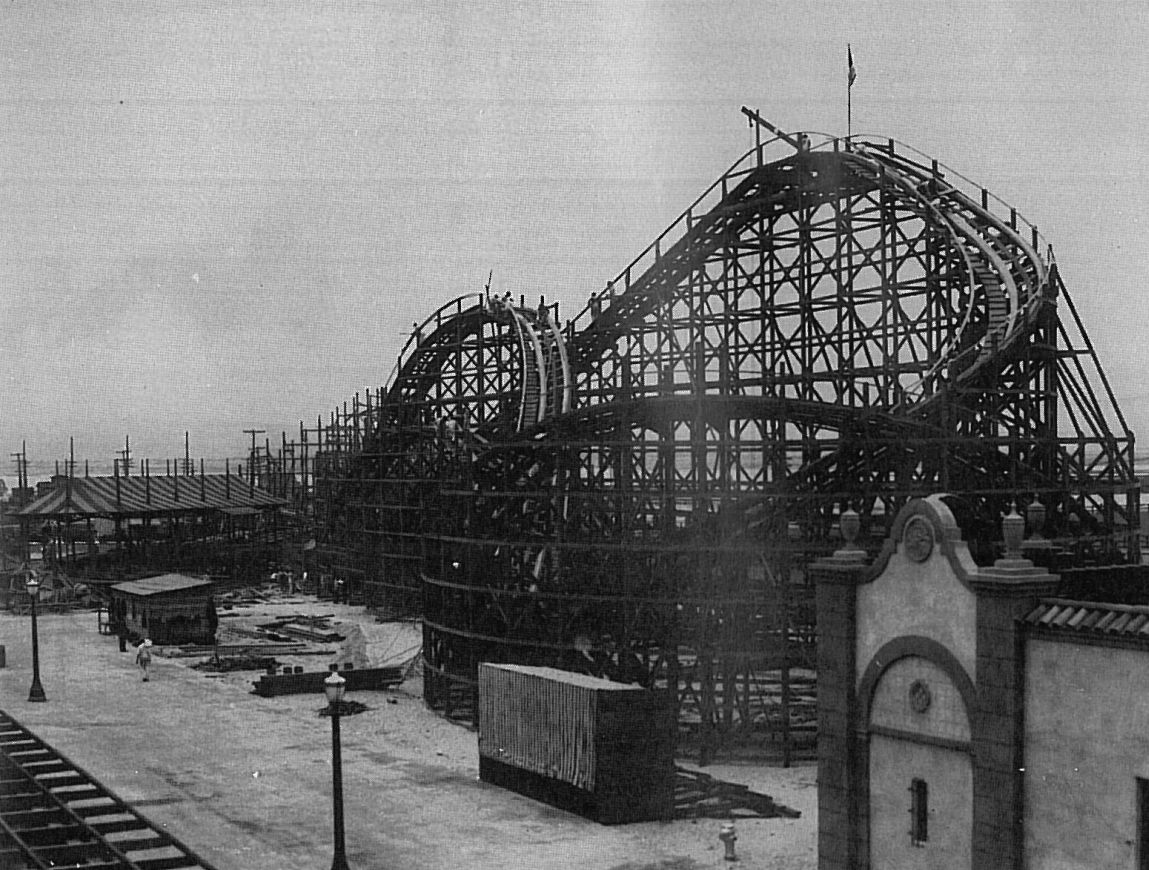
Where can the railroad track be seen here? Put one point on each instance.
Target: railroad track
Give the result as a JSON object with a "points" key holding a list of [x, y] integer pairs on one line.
{"points": [[54, 814]]}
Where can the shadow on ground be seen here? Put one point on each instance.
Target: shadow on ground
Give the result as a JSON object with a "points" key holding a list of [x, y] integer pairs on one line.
{"points": [[700, 796], [665, 864]]}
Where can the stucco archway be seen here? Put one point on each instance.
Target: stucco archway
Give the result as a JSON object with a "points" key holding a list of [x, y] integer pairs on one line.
{"points": [[917, 700]]}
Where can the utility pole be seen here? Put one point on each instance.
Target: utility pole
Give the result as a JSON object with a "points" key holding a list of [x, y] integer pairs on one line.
{"points": [[21, 460], [126, 457], [251, 459]]}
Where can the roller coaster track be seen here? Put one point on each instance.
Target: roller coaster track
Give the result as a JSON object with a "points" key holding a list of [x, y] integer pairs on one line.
{"points": [[1004, 282], [1005, 285], [54, 814], [1002, 268], [847, 324], [537, 380]]}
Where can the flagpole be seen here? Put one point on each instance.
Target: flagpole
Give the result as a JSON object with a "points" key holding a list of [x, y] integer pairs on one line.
{"points": [[849, 92]]}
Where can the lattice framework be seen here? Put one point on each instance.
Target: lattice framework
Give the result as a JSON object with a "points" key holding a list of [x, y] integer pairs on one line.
{"points": [[636, 494]]}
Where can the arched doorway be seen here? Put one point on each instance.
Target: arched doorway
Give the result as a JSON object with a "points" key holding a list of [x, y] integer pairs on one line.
{"points": [[921, 770]]}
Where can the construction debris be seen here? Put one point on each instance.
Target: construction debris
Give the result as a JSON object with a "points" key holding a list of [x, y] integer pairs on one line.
{"points": [[300, 682], [345, 708], [226, 664], [697, 795]]}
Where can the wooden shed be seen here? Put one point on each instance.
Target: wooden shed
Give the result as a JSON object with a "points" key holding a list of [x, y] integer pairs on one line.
{"points": [[168, 609], [602, 749]]}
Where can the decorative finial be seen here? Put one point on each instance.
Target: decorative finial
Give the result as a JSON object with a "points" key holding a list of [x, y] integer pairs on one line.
{"points": [[1035, 518], [1013, 531], [850, 523]]}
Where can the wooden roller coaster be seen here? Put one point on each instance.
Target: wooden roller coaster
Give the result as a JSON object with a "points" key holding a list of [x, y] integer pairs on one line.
{"points": [[833, 323]]}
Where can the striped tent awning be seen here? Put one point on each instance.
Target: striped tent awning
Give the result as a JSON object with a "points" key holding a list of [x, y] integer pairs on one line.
{"points": [[145, 495]]}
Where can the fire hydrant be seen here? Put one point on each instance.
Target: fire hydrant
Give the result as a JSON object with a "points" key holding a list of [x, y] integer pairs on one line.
{"points": [[728, 835]]}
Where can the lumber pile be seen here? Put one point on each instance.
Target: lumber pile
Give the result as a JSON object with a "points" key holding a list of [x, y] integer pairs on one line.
{"points": [[362, 679]]}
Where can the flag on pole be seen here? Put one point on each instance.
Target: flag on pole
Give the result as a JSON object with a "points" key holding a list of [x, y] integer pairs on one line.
{"points": [[853, 73]]}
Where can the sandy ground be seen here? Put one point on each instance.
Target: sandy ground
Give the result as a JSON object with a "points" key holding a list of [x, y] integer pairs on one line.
{"points": [[246, 781]]}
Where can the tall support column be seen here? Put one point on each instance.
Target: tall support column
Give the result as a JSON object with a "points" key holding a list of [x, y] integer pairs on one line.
{"points": [[1005, 592], [842, 826]]}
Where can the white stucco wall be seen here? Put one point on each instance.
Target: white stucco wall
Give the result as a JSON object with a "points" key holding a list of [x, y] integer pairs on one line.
{"points": [[1087, 740], [945, 718], [917, 598], [893, 765]]}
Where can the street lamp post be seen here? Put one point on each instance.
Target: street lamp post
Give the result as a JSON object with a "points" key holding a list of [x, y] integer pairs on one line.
{"points": [[37, 691], [334, 686]]}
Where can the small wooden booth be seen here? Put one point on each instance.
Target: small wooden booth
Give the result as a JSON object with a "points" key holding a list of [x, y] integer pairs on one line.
{"points": [[168, 609], [601, 749]]}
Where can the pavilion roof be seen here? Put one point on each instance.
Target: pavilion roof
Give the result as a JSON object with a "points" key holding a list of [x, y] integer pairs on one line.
{"points": [[139, 495]]}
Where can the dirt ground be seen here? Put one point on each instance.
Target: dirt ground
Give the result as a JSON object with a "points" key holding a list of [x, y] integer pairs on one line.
{"points": [[246, 781]]}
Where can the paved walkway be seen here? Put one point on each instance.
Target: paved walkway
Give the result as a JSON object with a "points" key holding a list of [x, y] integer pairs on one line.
{"points": [[246, 781]]}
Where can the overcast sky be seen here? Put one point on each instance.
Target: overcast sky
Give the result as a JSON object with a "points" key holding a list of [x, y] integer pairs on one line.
{"points": [[224, 218]]}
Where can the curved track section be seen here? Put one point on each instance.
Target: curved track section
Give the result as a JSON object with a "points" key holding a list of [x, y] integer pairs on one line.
{"points": [[635, 495], [479, 371]]}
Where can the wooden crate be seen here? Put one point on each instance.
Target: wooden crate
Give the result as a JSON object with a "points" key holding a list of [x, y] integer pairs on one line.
{"points": [[601, 749]]}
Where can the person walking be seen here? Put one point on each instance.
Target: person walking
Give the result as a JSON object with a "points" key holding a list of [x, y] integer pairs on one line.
{"points": [[144, 657]]}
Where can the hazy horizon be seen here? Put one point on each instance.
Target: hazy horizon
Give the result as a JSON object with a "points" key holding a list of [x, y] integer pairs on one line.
{"points": [[226, 218]]}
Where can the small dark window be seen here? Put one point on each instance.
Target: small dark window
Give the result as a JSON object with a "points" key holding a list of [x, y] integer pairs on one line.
{"points": [[919, 812], [1142, 824]]}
